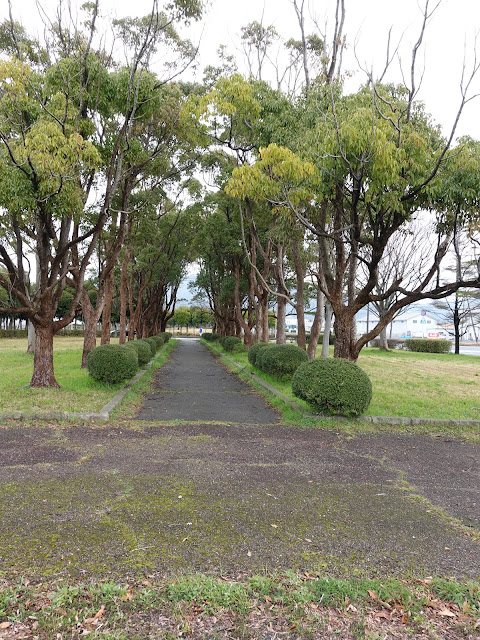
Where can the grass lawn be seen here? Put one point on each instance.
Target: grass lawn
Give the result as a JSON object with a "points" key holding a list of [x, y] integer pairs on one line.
{"points": [[420, 385], [423, 385], [78, 391]]}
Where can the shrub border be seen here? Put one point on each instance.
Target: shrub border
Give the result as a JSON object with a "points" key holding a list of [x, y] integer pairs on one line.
{"points": [[389, 420], [103, 414]]}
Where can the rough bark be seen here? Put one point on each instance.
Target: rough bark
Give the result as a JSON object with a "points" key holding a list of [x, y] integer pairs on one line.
{"points": [[31, 337], [107, 310], [90, 318], [300, 294], [281, 337], [345, 343], [43, 375], [327, 329], [316, 326]]}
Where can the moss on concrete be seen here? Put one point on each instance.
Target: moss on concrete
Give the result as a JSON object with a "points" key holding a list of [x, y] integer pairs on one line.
{"points": [[114, 523]]}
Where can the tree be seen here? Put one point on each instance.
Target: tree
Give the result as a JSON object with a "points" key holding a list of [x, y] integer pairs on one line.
{"points": [[370, 168], [50, 158]]}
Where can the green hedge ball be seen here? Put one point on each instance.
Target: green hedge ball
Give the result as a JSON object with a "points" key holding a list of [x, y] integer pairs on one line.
{"points": [[333, 385], [112, 363]]}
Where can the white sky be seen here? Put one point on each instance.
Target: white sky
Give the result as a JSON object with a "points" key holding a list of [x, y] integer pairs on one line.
{"points": [[451, 32]]}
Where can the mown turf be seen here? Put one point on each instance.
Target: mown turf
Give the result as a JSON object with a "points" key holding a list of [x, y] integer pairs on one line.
{"points": [[78, 391]]}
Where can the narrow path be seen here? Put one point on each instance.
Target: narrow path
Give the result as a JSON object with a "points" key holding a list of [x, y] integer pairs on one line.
{"points": [[195, 386]]}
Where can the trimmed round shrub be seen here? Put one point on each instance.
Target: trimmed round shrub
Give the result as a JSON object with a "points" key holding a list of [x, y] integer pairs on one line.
{"points": [[166, 335], [144, 351], [211, 337], [428, 345], [260, 354], [112, 363], [131, 346], [282, 360], [153, 341], [254, 351], [233, 345], [149, 345], [333, 385], [160, 340]]}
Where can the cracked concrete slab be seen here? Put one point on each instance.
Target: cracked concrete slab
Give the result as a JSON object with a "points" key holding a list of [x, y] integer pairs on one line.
{"points": [[118, 499]]}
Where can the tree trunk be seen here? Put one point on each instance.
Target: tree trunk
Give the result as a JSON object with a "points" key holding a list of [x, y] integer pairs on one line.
{"points": [[344, 327], [383, 339], [43, 375], [265, 329], [90, 321], [299, 295], [247, 333], [316, 326], [327, 329], [107, 310], [123, 301], [31, 337], [456, 324], [281, 337]]}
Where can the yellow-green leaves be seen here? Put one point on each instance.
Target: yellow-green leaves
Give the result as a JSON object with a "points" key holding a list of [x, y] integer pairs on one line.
{"points": [[279, 176], [234, 96], [52, 153], [14, 79]]}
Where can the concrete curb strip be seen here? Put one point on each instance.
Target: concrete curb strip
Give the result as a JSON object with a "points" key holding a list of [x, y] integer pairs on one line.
{"points": [[103, 414], [393, 420]]}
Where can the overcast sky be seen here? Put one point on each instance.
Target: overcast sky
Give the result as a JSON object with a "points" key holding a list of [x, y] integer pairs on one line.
{"points": [[450, 34]]}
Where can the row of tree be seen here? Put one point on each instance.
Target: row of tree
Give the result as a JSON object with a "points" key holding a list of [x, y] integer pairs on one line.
{"points": [[92, 149], [311, 198]]}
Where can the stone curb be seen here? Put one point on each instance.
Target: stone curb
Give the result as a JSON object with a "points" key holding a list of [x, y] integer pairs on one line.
{"points": [[393, 420], [103, 414]]}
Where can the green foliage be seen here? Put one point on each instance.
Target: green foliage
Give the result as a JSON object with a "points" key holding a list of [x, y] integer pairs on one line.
{"points": [[260, 353], [152, 340], [149, 344], [211, 337], [166, 335], [232, 344], [333, 385], [281, 360], [112, 363], [428, 345], [143, 349], [160, 340], [254, 351]]}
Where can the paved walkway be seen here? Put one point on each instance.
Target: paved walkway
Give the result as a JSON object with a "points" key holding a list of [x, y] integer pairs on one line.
{"points": [[194, 386]]}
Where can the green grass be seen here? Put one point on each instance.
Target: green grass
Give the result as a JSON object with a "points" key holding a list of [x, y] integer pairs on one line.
{"points": [[405, 384], [78, 392], [423, 385], [251, 607]]}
